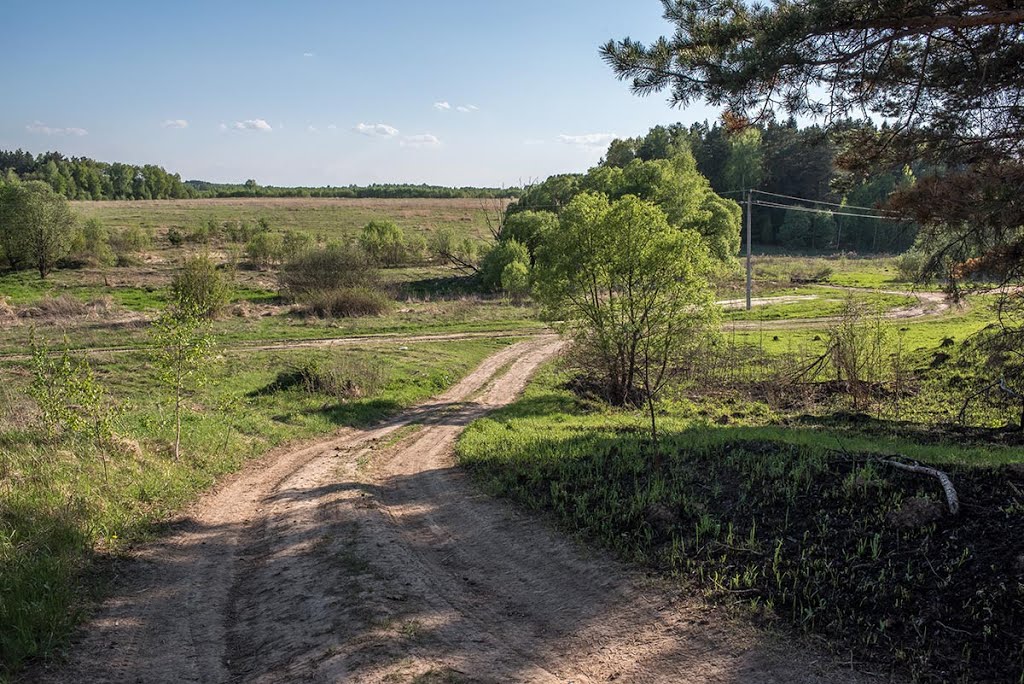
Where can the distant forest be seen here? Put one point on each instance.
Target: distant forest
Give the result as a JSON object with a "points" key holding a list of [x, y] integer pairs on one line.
{"points": [[793, 162], [81, 178]]}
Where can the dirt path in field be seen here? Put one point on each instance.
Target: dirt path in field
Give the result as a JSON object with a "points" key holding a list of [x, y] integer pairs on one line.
{"points": [[926, 304], [308, 343], [368, 557]]}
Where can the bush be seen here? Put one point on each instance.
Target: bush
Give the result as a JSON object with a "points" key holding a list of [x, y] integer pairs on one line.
{"points": [[347, 302], [333, 267], [294, 243], [494, 263], [264, 249], [515, 280], [341, 377], [529, 228], [384, 243], [910, 266], [175, 236], [201, 286], [93, 244], [415, 249], [446, 247], [130, 241]]}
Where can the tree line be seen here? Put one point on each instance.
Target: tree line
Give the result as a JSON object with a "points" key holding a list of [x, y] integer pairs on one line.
{"points": [[782, 158], [81, 178]]}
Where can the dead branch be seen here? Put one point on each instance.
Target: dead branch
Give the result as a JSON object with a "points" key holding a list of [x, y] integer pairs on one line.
{"points": [[947, 484]]}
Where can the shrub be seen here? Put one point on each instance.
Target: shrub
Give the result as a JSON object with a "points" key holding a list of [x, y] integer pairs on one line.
{"points": [[910, 266], [130, 241], [264, 249], [342, 377], [294, 243], [515, 280], [500, 256], [93, 244], [383, 242], [200, 286], [175, 236], [347, 302], [460, 253], [333, 267], [415, 249]]}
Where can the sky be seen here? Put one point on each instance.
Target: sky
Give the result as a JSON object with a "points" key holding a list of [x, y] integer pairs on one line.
{"points": [[450, 92]]}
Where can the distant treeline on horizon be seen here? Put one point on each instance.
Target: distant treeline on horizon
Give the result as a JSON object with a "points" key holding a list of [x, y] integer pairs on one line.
{"points": [[81, 178]]}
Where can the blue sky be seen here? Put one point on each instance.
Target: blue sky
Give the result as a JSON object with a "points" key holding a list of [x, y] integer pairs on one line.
{"points": [[313, 93]]}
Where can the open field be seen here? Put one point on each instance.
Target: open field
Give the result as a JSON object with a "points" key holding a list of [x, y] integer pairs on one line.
{"points": [[76, 514], [330, 218]]}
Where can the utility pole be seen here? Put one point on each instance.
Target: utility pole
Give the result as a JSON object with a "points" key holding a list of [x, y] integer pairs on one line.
{"points": [[750, 206]]}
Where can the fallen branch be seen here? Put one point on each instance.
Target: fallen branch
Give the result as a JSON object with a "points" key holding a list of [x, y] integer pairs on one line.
{"points": [[947, 484]]}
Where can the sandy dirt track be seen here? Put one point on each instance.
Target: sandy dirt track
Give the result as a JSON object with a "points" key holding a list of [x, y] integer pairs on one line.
{"points": [[368, 557]]}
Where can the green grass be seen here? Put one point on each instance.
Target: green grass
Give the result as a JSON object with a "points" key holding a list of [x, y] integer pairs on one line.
{"points": [[329, 218], [64, 504], [828, 303]]}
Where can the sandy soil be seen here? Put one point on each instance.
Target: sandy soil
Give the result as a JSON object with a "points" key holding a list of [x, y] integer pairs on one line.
{"points": [[368, 557]]}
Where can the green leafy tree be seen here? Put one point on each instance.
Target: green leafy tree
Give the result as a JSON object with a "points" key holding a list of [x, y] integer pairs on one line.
{"points": [[37, 226], [183, 344], [632, 291], [678, 188], [620, 152], [529, 228], [657, 144], [743, 168]]}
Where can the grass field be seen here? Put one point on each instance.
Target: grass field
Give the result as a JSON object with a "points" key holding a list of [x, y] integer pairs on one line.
{"points": [[330, 218]]}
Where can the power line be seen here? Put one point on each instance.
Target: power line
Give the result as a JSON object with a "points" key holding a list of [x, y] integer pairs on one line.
{"points": [[791, 207], [810, 201]]}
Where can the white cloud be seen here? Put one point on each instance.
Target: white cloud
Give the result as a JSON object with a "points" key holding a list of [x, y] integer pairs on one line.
{"points": [[311, 128], [252, 125], [332, 127], [424, 140], [222, 127], [442, 106], [534, 141], [175, 123], [378, 130], [588, 139], [40, 127], [466, 109], [307, 54]]}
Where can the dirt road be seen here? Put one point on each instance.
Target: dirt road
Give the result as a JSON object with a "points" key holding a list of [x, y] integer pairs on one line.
{"points": [[368, 557]]}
